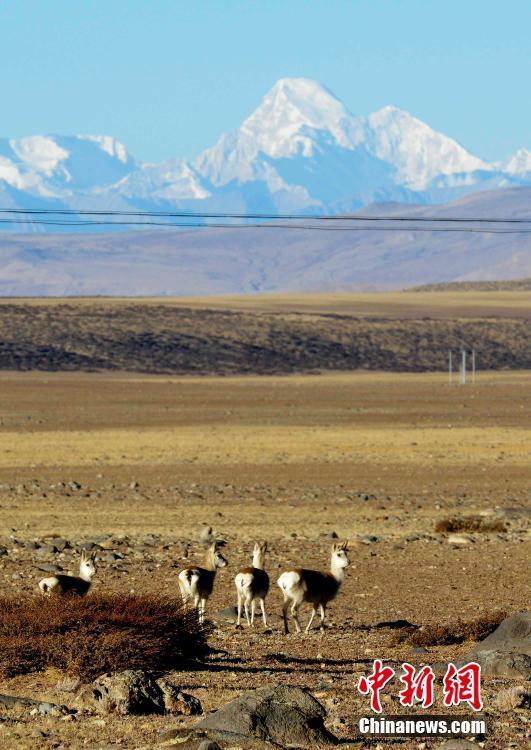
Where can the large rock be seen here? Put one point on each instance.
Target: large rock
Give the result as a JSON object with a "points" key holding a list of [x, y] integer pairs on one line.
{"points": [[513, 634], [129, 692], [507, 651], [503, 664], [286, 716], [136, 692]]}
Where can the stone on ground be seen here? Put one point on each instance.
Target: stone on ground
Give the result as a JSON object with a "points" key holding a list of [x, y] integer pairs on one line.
{"points": [[507, 651], [283, 715]]}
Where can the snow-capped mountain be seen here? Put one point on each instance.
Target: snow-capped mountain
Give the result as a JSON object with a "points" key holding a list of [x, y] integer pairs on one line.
{"points": [[300, 150]]}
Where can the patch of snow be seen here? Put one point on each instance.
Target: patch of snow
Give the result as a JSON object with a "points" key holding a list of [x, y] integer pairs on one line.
{"points": [[39, 152], [108, 144]]}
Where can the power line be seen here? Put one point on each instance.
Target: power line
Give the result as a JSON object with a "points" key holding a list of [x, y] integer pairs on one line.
{"points": [[309, 227], [265, 216]]}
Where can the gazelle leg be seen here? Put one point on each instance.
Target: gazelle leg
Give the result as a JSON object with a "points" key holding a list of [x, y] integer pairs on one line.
{"points": [[295, 615], [253, 606], [285, 615], [262, 607], [322, 612], [202, 607], [246, 607], [309, 625], [238, 623]]}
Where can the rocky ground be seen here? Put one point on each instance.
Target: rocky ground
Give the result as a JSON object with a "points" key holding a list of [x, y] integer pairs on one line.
{"points": [[144, 521]]}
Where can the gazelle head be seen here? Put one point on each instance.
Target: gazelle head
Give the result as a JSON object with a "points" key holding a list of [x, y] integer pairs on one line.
{"points": [[339, 558], [87, 565], [259, 553], [215, 557]]}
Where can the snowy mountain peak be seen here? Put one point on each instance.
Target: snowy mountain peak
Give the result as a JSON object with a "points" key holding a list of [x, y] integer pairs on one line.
{"points": [[418, 152], [301, 149], [520, 163]]}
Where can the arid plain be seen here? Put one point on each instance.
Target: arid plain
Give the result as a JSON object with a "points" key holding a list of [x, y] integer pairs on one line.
{"points": [[141, 463]]}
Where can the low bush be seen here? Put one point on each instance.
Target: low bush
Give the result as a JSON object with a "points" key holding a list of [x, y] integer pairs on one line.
{"points": [[87, 636], [456, 632], [470, 523]]}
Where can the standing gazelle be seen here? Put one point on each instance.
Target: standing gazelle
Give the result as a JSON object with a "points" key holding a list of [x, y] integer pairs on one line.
{"points": [[68, 584], [196, 583], [300, 585], [251, 584]]}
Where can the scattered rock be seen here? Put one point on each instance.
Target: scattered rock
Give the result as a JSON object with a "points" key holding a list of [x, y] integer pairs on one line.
{"points": [[513, 697], [458, 744], [129, 692], [178, 702], [503, 664], [49, 568], [459, 539], [3, 551], [283, 715], [61, 544], [88, 546], [36, 707], [230, 614], [208, 745], [46, 549]]}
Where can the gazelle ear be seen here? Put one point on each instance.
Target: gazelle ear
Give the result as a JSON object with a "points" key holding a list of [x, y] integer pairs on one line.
{"points": [[83, 556]]}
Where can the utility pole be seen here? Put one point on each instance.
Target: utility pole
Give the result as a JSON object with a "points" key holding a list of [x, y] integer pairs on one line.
{"points": [[450, 373], [463, 367]]}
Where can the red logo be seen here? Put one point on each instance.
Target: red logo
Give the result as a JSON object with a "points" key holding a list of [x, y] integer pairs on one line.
{"points": [[463, 686], [418, 687], [375, 682]]}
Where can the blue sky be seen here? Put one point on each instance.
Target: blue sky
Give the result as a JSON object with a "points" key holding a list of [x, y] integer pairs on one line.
{"points": [[168, 77]]}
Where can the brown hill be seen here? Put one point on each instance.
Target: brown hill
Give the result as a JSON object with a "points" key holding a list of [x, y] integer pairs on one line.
{"points": [[261, 334]]}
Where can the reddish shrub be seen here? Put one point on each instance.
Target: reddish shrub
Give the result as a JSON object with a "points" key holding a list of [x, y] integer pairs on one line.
{"points": [[456, 632], [95, 634]]}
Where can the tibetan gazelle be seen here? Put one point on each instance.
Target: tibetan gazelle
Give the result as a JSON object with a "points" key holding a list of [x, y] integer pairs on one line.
{"points": [[67, 584], [252, 584], [197, 583], [299, 585]]}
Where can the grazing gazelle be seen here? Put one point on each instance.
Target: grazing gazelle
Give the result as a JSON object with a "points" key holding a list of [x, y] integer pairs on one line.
{"points": [[67, 584], [299, 585], [197, 583], [251, 584]]}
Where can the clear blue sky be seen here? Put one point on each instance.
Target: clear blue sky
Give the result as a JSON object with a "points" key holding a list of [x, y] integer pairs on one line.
{"points": [[167, 77]]}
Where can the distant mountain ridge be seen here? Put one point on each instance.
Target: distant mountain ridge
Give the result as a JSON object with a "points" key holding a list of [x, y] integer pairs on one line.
{"points": [[244, 260], [300, 150]]}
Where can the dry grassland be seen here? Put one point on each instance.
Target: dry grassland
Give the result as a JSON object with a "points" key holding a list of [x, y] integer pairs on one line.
{"points": [[378, 458]]}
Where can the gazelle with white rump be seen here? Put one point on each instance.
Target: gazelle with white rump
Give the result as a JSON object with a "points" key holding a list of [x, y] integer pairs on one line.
{"points": [[252, 584], [69, 584], [301, 585], [197, 583]]}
